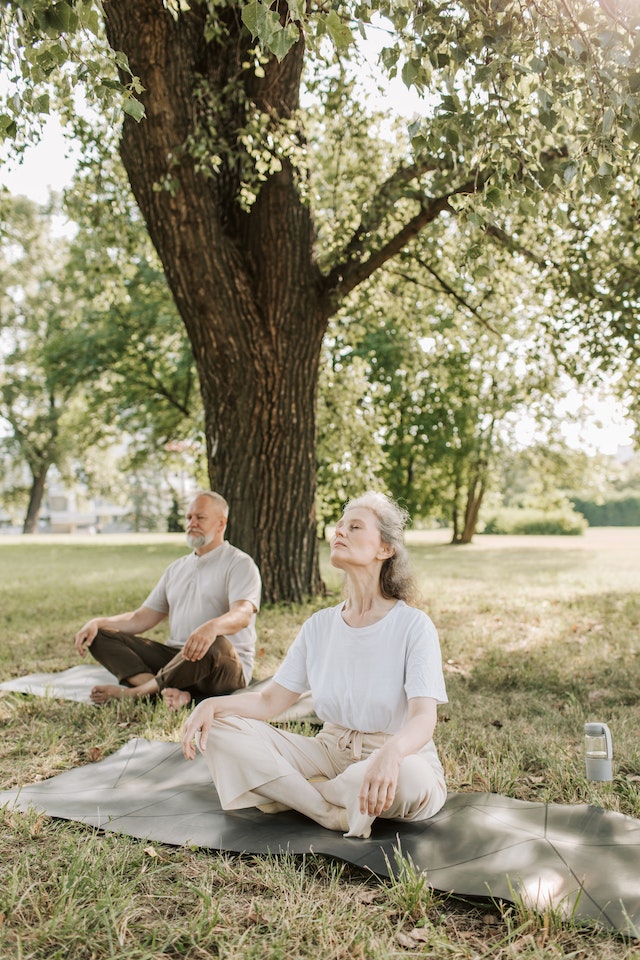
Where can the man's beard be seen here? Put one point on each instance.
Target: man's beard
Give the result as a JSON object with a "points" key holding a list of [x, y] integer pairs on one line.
{"points": [[200, 541]]}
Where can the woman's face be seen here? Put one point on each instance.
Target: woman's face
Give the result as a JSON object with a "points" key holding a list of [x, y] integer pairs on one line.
{"points": [[356, 541]]}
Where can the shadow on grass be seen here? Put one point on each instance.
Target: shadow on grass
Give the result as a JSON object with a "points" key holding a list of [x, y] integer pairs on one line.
{"points": [[515, 564], [596, 659]]}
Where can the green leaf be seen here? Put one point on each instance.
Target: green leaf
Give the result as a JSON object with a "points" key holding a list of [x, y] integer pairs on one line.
{"points": [[264, 24], [607, 121], [250, 15], [282, 41], [8, 126], [134, 108], [410, 71], [493, 197], [297, 9], [41, 104], [340, 31], [122, 61]]}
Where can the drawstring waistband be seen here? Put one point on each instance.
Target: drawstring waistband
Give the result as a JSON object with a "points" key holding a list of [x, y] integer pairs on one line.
{"points": [[351, 739], [355, 743]]}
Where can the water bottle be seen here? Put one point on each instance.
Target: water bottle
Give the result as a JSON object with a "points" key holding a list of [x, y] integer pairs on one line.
{"points": [[598, 751]]}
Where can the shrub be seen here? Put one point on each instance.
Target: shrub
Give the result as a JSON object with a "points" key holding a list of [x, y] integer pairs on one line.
{"points": [[619, 512], [557, 521]]}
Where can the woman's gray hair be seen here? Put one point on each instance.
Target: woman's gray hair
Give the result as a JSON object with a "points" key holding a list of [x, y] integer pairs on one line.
{"points": [[396, 576]]}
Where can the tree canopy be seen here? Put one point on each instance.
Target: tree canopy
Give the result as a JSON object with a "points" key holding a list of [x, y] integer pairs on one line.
{"points": [[530, 120]]}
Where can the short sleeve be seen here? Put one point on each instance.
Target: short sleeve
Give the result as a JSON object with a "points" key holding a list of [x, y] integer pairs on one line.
{"points": [[423, 663], [244, 582], [157, 599], [292, 672]]}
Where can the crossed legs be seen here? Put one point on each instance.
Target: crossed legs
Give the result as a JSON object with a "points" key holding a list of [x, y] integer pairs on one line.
{"points": [[146, 668], [255, 764]]}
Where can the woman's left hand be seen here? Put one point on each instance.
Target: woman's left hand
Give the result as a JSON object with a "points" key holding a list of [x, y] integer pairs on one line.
{"points": [[380, 782]]}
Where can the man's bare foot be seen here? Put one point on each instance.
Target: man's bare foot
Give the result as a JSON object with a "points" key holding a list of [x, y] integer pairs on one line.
{"points": [[110, 692], [176, 699]]}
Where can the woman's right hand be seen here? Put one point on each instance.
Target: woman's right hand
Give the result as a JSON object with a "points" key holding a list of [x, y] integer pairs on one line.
{"points": [[197, 728]]}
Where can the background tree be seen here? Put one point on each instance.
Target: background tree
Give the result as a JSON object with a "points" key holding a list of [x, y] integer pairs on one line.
{"points": [[39, 400], [128, 341], [94, 353], [452, 356], [523, 99]]}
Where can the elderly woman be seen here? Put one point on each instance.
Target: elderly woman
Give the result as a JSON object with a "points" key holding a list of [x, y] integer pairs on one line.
{"points": [[373, 666]]}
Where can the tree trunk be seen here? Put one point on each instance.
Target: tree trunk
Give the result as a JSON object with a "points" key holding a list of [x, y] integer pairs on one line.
{"points": [[245, 283], [35, 500], [455, 513], [472, 510]]}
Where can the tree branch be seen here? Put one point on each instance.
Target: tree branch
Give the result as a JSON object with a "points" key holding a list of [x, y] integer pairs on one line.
{"points": [[514, 246], [386, 195], [344, 277], [448, 289]]}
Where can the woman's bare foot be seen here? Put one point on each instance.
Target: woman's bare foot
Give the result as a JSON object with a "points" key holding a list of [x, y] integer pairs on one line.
{"points": [[176, 699], [357, 824], [110, 692], [336, 820]]}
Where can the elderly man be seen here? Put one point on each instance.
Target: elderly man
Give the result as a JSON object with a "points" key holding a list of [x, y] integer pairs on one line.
{"points": [[211, 597]]}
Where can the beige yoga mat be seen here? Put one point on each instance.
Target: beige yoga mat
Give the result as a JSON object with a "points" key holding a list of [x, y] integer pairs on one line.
{"points": [[76, 683]]}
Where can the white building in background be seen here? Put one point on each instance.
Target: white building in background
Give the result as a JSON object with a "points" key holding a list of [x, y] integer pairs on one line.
{"points": [[146, 504], [68, 511]]}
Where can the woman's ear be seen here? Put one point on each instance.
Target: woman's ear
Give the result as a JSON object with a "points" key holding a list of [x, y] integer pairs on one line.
{"points": [[385, 551]]}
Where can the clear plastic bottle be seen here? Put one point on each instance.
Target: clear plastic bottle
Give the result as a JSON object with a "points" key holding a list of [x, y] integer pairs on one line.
{"points": [[598, 751]]}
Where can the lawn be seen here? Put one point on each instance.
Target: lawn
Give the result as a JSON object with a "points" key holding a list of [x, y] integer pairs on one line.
{"points": [[539, 634]]}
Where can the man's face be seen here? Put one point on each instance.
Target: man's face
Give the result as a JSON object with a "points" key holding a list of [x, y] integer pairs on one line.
{"points": [[205, 522]]}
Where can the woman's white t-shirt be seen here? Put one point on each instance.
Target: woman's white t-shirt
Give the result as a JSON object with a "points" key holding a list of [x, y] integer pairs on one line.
{"points": [[363, 677]]}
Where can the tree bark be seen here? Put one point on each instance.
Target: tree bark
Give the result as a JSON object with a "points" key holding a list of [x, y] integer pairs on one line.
{"points": [[246, 284], [475, 496], [36, 494]]}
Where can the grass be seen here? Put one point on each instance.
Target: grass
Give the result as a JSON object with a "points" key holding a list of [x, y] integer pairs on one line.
{"points": [[538, 635]]}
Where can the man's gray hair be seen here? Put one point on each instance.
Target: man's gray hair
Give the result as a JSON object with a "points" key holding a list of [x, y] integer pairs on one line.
{"points": [[217, 498]]}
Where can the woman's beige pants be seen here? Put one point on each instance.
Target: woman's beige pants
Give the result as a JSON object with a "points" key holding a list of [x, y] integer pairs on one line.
{"points": [[244, 754]]}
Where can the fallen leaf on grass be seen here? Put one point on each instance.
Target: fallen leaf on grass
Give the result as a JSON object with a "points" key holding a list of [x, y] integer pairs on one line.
{"points": [[95, 754], [491, 920], [410, 938], [37, 826], [595, 695], [151, 851], [368, 896], [255, 916]]}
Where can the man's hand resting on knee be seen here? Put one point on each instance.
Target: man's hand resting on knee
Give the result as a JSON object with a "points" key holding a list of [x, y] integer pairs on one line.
{"points": [[85, 636], [236, 618], [198, 643]]}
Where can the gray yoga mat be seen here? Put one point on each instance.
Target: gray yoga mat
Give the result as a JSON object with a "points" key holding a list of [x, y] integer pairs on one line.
{"points": [[76, 683], [582, 861]]}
